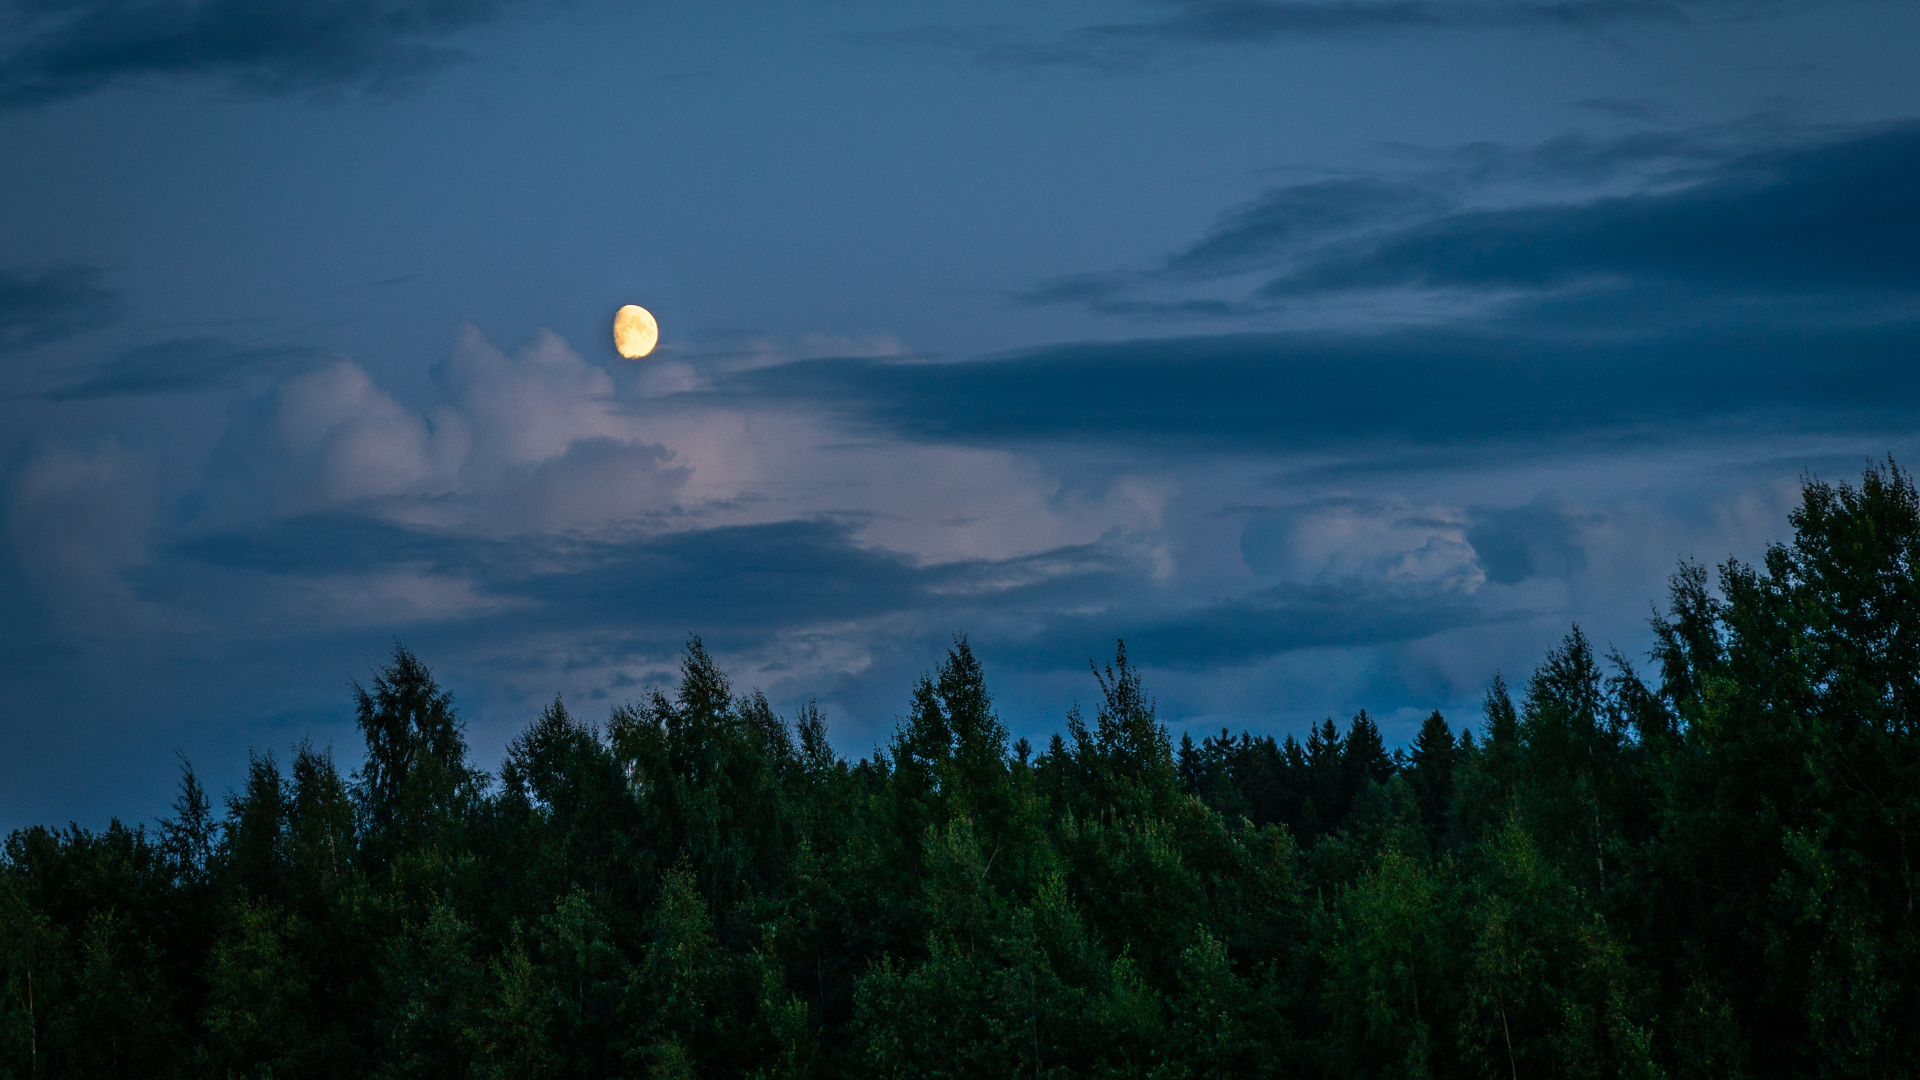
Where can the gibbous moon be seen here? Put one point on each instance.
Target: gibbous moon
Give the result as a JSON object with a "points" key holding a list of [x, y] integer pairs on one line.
{"points": [[634, 331]]}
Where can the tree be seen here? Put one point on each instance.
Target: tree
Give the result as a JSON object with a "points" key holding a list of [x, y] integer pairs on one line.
{"points": [[1430, 770], [187, 837], [1709, 876], [416, 787]]}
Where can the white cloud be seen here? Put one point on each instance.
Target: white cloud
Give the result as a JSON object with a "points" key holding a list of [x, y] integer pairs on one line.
{"points": [[537, 441], [1387, 540], [597, 480], [330, 437], [531, 441], [526, 408]]}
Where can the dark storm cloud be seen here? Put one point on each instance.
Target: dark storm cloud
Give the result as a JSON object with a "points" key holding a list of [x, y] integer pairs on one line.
{"points": [[742, 587], [39, 306], [1321, 227], [1307, 226], [1844, 215], [1778, 283], [186, 365], [1460, 387], [744, 581], [52, 50]]}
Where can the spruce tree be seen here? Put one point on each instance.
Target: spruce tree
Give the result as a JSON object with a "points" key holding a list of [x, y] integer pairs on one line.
{"points": [[1430, 769]]}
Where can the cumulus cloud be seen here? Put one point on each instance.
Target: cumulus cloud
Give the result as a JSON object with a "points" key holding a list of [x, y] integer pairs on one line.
{"points": [[330, 437], [1388, 542], [1293, 527], [526, 408], [595, 480], [537, 505], [531, 440]]}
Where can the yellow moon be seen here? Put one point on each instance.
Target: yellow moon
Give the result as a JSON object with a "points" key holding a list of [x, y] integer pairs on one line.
{"points": [[634, 331]]}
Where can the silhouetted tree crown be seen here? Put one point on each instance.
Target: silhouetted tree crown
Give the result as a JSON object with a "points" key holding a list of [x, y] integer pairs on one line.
{"points": [[1707, 872]]}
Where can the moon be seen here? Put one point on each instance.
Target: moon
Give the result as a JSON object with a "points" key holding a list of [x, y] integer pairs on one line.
{"points": [[634, 331]]}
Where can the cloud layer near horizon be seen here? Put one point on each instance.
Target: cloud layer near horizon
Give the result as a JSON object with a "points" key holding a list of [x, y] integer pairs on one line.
{"points": [[1224, 501]]}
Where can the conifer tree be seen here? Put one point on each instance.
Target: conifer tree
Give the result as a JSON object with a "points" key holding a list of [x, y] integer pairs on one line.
{"points": [[1430, 769]]}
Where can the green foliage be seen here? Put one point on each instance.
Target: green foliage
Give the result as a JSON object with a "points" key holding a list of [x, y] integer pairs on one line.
{"points": [[1706, 875], [255, 1013]]}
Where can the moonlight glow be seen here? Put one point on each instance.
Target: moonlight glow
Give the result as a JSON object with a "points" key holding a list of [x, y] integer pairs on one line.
{"points": [[634, 331]]}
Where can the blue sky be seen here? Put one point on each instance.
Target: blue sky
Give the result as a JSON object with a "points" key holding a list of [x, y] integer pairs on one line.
{"points": [[1335, 354]]}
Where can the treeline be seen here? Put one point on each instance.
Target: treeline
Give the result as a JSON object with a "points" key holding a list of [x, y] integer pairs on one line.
{"points": [[1707, 872]]}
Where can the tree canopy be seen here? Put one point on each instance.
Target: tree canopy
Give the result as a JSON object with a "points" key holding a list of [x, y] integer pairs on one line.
{"points": [[1705, 872]]}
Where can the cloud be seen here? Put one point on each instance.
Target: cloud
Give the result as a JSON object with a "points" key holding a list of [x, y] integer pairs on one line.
{"points": [[40, 306], [528, 441], [328, 437], [596, 479], [825, 524], [1390, 542], [1285, 618], [1520, 542], [636, 592], [1244, 21], [53, 50], [1468, 389], [1119, 47], [1288, 217], [1842, 215], [790, 599], [526, 408], [79, 517], [1313, 228], [186, 366]]}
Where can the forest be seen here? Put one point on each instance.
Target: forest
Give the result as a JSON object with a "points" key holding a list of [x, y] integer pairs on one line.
{"points": [[1692, 864]]}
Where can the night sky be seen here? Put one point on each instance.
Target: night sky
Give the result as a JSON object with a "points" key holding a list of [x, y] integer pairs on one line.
{"points": [[1336, 355]]}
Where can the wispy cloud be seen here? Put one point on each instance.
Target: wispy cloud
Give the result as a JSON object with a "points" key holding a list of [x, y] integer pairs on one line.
{"points": [[46, 304], [1299, 229], [183, 366], [1287, 218], [1134, 45], [1644, 232], [1840, 215], [52, 50]]}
